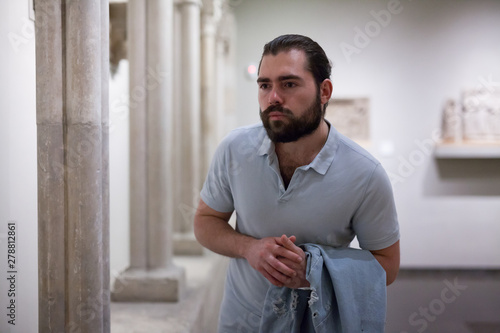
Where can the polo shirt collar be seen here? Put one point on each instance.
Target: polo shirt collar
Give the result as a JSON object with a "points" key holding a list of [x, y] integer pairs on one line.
{"points": [[267, 146], [321, 162], [326, 155]]}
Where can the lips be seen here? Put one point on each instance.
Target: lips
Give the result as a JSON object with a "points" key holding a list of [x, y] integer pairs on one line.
{"points": [[275, 115]]}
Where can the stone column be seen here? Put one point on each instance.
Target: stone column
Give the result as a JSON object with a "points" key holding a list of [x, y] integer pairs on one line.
{"points": [[72, 118], [105, 161], [188, 139], [220, 86], [152, 276], [226, 75], [210, 125]]}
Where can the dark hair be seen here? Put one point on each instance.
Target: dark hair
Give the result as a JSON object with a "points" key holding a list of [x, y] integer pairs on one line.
{"points": [[317, 61]]}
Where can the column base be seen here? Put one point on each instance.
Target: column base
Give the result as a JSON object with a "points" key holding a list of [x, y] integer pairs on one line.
{"points": [[158, 285], [185, 244]]}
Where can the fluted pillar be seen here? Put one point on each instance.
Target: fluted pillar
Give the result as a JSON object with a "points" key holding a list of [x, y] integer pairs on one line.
{"points": [[208, 87], [188, 137], [225, 73], [220, 86], [72, 128], [152, 276]]}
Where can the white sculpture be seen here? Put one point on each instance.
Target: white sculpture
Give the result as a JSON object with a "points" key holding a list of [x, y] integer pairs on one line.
{"points": [[476, 119], [452, 127]]}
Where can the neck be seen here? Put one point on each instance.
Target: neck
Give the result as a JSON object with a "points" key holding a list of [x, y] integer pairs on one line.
{"points": [[305, 148]]}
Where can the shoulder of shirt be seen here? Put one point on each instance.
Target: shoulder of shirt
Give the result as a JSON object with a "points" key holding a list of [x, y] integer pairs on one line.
{"points": [[356, 149]]}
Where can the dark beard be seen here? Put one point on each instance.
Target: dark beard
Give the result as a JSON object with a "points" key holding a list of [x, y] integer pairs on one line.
{"points": [[296, 127]]}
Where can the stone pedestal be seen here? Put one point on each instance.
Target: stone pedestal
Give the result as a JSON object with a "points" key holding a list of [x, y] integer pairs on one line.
{"points": [[155, 285], [152, 276]]}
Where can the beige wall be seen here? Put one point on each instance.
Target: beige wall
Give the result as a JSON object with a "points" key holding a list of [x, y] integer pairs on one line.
{"points": [[427, 52]]}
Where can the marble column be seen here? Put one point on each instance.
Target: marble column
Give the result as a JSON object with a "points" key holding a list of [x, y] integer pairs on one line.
{"points": [[105, 162], [188, 138], [152, 276], [226, 74], [73, 204], [220, 85], [209, 128]]}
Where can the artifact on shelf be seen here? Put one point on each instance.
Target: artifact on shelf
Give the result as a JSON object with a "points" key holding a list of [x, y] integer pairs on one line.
{"points": [[475, 120], [452, 127]]}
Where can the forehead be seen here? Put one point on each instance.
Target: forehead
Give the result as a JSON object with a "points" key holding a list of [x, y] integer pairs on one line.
{"points": [[284, 63]]}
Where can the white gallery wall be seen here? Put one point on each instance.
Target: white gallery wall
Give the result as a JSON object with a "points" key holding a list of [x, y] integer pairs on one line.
{"points": [[18, 170], [408, 57]]}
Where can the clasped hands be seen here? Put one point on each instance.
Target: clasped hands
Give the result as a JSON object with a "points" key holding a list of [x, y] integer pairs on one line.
{"points": [[279, 260]]}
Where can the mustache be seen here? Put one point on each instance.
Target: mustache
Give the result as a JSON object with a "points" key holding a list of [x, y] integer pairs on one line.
{"points": [[276, 108]]}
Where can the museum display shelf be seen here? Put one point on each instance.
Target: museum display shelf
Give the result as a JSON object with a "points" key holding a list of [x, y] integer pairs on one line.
{"points": [[468, 150]]}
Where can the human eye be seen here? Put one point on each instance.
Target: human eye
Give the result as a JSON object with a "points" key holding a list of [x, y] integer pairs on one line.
{"points": [[289, 84], [263, 86]]}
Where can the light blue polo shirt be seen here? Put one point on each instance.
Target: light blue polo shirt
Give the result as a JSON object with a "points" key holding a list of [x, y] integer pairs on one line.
{"points": [[343, 192]]}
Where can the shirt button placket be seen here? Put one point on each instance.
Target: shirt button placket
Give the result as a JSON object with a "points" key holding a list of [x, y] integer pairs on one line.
{"points": [[281, 197]]}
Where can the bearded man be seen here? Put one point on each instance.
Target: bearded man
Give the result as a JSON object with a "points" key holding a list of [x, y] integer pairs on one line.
{"points": [[291, 180]]}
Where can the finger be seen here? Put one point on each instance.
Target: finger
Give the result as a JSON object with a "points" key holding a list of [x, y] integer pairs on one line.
{"points": [[271, 279], [287, 253], [292, 284], [293, 239], [287, 243], [290, 263], [267, 271], [281, 240], [281, 268], [276, 275]]}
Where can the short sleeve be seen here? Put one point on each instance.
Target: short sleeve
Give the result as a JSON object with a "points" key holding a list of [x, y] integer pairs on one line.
{"points": [[216, 191], [375, 221]]}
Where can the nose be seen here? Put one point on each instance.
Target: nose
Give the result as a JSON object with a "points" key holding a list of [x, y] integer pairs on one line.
{"points": [[275, 97]]}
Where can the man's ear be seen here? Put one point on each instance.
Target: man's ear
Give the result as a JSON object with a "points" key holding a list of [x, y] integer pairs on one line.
{"points": [[325, 91]]}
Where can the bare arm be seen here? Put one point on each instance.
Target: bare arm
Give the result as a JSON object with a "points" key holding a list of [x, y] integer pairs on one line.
{"points": [[388, 258], [213, 231]]}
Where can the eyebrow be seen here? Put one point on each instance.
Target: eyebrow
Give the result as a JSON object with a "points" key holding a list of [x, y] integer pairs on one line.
{"points": [[280, 78]]}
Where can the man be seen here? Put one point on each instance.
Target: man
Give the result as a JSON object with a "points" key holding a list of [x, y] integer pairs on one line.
{"points": [[291, 180]]}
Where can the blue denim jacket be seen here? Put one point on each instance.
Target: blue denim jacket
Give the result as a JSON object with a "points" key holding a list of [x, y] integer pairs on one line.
{"points": [[347, 294]]}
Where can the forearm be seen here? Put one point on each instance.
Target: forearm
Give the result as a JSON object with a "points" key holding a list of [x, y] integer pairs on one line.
{"points": [[218, 236], [391, 269], [213, 231], [388, 258]]}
